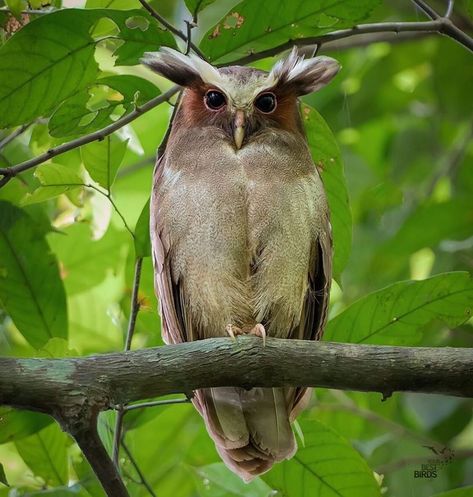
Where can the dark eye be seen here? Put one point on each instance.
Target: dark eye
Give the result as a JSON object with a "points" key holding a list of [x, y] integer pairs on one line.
{"points": [[215, 99], [266, 102]]}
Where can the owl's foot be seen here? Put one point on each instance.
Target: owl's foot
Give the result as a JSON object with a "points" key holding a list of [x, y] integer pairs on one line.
{"points": [[233, 331], [259, 331]]}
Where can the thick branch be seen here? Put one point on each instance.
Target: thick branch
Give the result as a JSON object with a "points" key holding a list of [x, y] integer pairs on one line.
{"points": [[68, 387]]}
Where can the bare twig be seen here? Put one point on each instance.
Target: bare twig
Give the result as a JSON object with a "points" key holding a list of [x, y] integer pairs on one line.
{"points": [[426, 8], [140, 474], [171, 28], [8, 139], [10, 172], [449, 10], [146, 161], [134, 309], [156, 403]]}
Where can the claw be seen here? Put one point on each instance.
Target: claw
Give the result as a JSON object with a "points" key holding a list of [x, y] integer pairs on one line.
{"points": [[259, 331], [233, 331]]}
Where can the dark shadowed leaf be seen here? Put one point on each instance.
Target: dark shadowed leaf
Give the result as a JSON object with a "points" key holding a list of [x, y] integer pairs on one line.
{"points": [[103, 158], [62, 62], [31, 291], [142, 240], [3, 476], [327, 466], [326, 156], [254, 26], [396, 314]]}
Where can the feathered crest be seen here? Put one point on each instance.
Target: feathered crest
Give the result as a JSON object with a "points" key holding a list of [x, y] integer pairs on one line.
{"points": [[304, 75]]}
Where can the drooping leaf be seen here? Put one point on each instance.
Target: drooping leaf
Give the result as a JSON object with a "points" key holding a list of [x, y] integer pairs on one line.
{"points": [[76, 116], [142, 239], [62, 62], [16, 424], [396, 314], [46, 455], [86, 262], [327, 466], [103, 158], [216, 480], [3, 476], [55, 179], [31, 290], [253, 26], [326, 155]]}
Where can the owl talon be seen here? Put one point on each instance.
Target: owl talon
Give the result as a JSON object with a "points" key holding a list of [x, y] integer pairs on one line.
{"points": [[259, 331], [233, 331]]}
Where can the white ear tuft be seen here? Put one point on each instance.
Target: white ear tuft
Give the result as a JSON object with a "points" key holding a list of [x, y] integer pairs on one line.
{"points": [[305, 75], [185, 70]]}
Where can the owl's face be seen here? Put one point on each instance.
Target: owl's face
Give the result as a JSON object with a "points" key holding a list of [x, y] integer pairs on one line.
{"points": [[242, 101]]}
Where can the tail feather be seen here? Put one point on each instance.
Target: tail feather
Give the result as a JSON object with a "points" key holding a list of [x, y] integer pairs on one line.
{"points": [[251, 429]]}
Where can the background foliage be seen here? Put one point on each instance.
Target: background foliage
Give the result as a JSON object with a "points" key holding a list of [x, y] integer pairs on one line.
{"points": [[72, 229]]}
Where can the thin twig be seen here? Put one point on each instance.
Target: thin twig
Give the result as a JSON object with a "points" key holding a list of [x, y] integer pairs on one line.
{"points": [[140, 474], [125, 171], [426, 8], [10, 172], [449, 10], [5, 141], [171, 28], [134, 309], [156, 403]]}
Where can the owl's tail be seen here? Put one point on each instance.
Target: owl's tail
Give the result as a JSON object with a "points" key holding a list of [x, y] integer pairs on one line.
{"points": [[251, 429]]}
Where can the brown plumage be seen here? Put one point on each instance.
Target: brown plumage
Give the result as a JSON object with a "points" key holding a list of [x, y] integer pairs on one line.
{"points": [[241, 235]]}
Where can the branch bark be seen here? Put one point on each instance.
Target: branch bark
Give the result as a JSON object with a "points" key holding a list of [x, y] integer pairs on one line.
{"points": [[68, 388]]}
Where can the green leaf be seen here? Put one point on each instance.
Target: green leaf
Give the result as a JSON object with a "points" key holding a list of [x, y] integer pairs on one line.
{"points": [[62, 62], [3, 476], [92, 108], [195, 6], [216, 480], [16, 6], [457, 492], [326, 155], [45, 453], [253, 26], [31, 291], [327, 466], [55, 180], [103, 158], [142, 239], [396, 314], [16, 424], [86, 262]]}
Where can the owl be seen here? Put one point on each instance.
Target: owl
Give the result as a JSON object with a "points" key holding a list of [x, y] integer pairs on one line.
{"points": [[240, 231]]}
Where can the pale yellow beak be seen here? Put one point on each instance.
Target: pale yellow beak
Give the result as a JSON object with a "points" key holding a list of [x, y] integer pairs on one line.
{"points": [[239, 128]]}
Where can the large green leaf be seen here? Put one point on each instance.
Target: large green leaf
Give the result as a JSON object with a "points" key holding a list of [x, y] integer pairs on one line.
{"points": [[253, 26], [16, 424], [31, 290], [327, 466], [142, 239], [46, 455], [396, 314], [92, 108], [103, 158], [457, 492], [216, 480], [52, 58], [326, 155]]}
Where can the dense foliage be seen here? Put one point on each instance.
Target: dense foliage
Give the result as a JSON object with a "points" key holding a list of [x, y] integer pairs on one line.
{"points": [[73, 227]]}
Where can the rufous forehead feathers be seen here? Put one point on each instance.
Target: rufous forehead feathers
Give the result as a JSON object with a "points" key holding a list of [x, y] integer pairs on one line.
{"points": [[295, 73]]}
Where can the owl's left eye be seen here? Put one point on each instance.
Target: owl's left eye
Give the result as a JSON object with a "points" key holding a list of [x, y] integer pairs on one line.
{"points": [[266, 102], [214, 99]]}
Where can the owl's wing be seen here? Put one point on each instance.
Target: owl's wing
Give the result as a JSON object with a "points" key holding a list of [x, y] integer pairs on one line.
{"points": [[315, 310], [169, 293]]}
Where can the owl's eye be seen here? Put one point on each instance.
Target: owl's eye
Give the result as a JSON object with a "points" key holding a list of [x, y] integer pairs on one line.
{"points": [[215, 99], [266, 102]]}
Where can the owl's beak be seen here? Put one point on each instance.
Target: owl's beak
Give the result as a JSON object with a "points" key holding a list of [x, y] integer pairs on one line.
{"points": [[239, 128]]}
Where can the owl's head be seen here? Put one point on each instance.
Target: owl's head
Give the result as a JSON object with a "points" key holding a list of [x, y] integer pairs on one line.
{"points": [[240, 100]]}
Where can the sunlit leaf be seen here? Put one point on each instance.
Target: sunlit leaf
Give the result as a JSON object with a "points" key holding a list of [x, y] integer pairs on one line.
{"points": [[31, 291], [253, 26], [103, 158], [45, 454], [396, 314], [326, 155], [142, 239], [62, 62], [327, 466]]}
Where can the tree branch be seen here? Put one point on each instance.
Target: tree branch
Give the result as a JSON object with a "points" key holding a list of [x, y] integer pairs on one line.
{"points": [[72, 385]]}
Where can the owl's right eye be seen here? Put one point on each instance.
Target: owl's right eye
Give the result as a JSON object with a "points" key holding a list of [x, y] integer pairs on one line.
{"points": [[215, 99]]}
